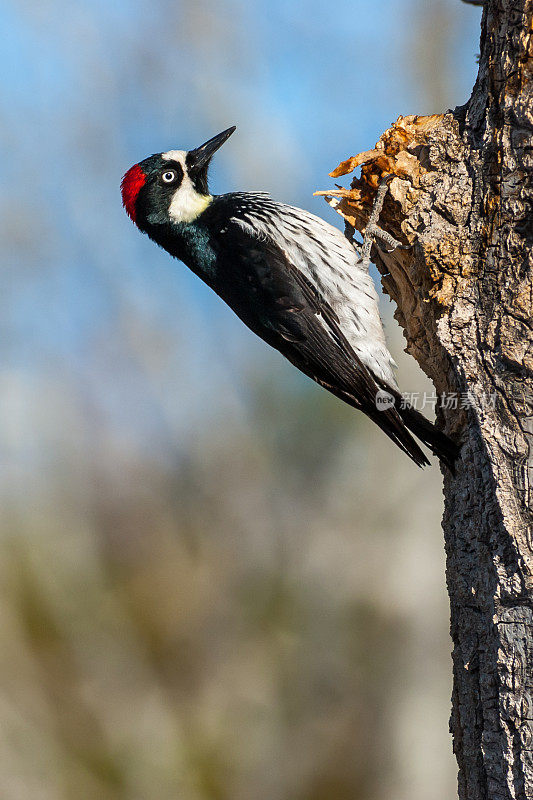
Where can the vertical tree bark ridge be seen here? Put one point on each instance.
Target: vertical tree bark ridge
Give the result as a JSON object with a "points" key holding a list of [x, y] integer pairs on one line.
{"points": [[462, 196]]}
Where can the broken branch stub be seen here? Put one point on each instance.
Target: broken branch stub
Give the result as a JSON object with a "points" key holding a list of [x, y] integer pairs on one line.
{"points": [[424, 280]]}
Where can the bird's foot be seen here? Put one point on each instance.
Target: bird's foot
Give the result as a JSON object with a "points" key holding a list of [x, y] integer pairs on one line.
{"points": [[373, 231], [388, 239]]}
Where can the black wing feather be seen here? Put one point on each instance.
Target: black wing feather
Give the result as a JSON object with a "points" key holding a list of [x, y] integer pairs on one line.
{"points": [[271, 295]]}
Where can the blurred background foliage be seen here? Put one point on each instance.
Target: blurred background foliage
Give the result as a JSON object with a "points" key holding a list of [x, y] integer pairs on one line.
{"points": [[217, 582]]}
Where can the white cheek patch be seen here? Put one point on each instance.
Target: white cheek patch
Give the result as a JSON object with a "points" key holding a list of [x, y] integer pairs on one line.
{"points": [[186, 204]]}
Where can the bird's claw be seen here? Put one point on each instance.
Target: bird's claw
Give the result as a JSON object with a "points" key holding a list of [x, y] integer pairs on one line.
{"points": [[373, 231]]}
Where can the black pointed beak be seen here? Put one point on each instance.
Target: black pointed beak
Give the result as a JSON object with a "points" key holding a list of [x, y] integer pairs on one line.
{"points": [[201, 156]]}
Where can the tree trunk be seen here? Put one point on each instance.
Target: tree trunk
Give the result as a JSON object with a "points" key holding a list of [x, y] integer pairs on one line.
{"points": [[462, 196]]}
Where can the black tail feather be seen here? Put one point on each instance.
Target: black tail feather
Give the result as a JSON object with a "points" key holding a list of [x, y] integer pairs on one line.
{"points": [[398, 420], [437, 441], [394, 426]]}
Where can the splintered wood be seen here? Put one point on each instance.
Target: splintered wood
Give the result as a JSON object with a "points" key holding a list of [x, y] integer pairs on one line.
{"points": [[400, 152], [412, 151]]}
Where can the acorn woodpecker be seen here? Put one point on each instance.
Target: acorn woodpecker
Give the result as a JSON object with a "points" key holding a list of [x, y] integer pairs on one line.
{"points": [[293, 279]]}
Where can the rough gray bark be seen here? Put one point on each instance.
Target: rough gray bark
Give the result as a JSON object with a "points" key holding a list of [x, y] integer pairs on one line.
{"points": [[463, 197]]}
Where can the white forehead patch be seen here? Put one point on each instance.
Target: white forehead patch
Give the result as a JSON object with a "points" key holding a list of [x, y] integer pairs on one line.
{"points": [[186, 203], [175, 155]]}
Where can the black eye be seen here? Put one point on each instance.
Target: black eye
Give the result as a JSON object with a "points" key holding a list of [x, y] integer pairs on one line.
{"points": [[169, 176]]}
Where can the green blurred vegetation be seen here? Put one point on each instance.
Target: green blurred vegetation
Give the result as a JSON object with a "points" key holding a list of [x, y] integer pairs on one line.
{"points": [[225, 626]]}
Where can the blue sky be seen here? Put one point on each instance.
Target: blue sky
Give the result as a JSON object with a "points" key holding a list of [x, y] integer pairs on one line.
{"points": [[91, 87]]}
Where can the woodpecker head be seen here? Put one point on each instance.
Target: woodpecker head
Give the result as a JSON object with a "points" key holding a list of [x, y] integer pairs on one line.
{"points": [[172, 186]]}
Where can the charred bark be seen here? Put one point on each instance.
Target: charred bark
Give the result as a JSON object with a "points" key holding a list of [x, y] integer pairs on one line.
{"points": [[462, 196]]}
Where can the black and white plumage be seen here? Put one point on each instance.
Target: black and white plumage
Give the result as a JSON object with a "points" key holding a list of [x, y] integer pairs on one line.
{"points": [[292, 278]]}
